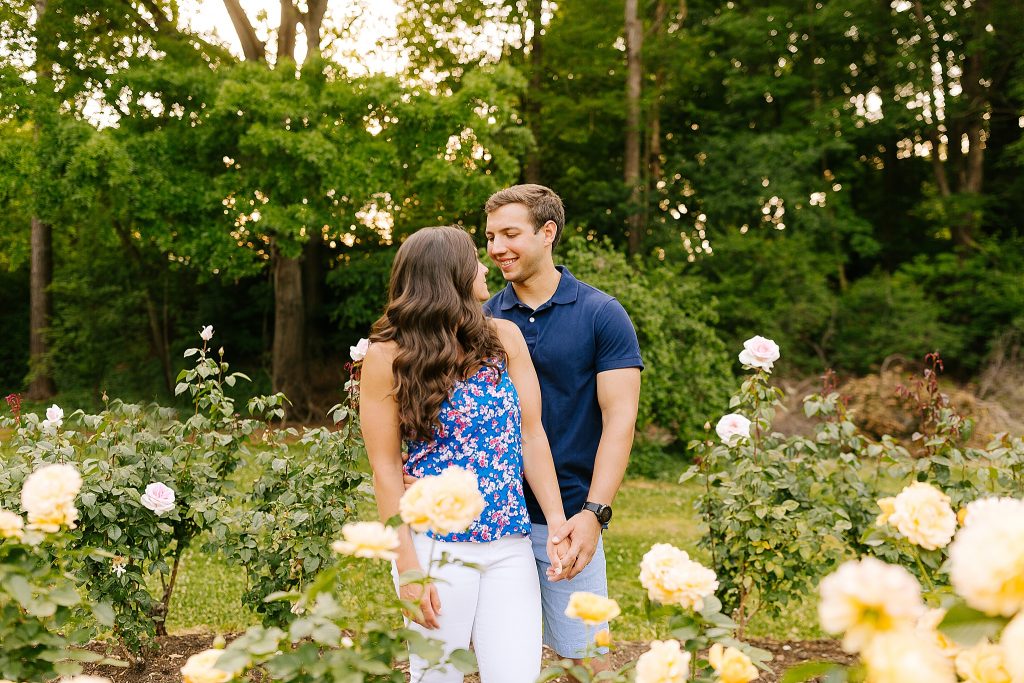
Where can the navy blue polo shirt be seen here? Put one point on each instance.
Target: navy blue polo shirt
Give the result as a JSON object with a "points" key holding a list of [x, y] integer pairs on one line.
{"points": [[578, 333]]}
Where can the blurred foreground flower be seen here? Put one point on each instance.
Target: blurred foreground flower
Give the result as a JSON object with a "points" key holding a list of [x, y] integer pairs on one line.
{"points": [[591, 609], [903, 656], [368, 540], [664, 662], [672, 578], [867, 598], [759, 352], [447, 503], [11, 525], [200, 668], [986, 559], [48, 497], [731, 665], [983, 663]]}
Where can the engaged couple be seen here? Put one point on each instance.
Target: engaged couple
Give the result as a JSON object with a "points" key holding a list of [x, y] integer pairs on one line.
{"points": [[534, 391]]}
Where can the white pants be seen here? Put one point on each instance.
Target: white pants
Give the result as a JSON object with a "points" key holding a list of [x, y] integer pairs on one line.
{"points": [[495, 605]]}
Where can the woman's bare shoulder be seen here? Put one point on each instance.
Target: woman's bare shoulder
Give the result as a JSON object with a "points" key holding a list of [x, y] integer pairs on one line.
{"points": [[380, 352], [509, 334]]}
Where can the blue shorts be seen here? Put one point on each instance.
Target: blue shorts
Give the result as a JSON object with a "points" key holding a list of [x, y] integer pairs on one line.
{"points": [[566, 636]]}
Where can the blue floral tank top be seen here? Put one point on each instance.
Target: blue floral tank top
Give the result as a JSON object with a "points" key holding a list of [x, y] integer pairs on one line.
{"points": [[479, 431]]}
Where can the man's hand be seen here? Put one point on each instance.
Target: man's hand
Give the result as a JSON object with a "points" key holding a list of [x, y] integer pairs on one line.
{"points": [[428, 600], [557, 553], [583, 532]]}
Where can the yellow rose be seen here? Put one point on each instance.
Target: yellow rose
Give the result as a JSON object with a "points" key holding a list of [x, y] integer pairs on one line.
{"points": [[603, 638], [665, 662], [886, 505], [199, 668], [367, 539], [867, 598], [1012, 642], [51, 518], [591, 609], [904, 656], [961, 516], [923, 515], [48, 495], [11, 525], [986, 561], [445, 504], [928, 627], [672, 578], [731, 665], [983, 663]]}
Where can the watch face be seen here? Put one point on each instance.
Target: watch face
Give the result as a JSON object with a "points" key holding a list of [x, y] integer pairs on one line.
{"points": [[604, 515]]}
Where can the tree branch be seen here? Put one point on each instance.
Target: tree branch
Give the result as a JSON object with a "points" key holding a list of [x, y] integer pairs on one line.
{"points": [[252, 47]]}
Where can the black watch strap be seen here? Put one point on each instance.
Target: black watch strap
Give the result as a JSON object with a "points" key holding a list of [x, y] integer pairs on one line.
{"points": [[602, 512]]}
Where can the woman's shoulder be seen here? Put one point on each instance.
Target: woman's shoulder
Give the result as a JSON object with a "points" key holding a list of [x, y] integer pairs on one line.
{"points": [[380, 352], [510, 336]]}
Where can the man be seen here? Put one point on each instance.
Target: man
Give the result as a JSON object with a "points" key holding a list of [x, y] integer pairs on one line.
{"points": [[588, 362]]}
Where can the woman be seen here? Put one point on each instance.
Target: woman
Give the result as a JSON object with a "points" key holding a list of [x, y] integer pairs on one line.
{"points": [[460, 390]]}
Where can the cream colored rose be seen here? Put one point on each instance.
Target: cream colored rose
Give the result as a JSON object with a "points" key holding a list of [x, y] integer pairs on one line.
{"points": [[928, 627], [983, 663], [672, 578], [984, 507], [759, 352], [200, 668], [591, 609], [85, 678], [367, 539], [887, 508], [51, 519], [866, 598], [664, 662], [11, 525], [731, 665], [903, 656], [445, 504], [923, 514], [1012, 642], [50, 485], [986, 561]]}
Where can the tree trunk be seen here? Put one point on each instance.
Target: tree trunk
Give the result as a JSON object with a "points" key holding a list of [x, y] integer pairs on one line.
{"points": [[290, 370], [634, 75], [531, 103], [41, 385], [286, 31], [312, 22], [252, 47]]}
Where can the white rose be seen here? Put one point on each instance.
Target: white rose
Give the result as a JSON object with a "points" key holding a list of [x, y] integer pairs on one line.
{"points": [[759, 352], [54, 417], [672, 578], [158, 497], [923, 514], [731, 428], [200, 668], [664, 662], [206, 334], [358, 352], [985, 561], [50, 486], [367, 539], [866, 598], [903, 656]]}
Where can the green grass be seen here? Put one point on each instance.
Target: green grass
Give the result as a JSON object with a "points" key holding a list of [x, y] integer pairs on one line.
{"points": [[208, 594]]}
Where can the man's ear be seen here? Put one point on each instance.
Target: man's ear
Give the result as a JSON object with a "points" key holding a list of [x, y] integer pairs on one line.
{"points": [[550, 229]]}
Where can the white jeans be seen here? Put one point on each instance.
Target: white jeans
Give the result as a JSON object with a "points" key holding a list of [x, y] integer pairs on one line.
{"points": [[495, 604]]}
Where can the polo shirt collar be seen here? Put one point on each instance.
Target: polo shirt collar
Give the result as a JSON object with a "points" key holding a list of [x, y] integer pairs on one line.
{"points": [[566, 293]]}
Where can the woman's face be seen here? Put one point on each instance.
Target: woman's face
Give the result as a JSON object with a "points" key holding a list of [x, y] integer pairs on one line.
{"points": [[480, 283]]}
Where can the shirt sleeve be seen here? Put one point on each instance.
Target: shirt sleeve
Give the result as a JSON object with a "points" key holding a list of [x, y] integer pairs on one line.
{"points": [[617, 345]]}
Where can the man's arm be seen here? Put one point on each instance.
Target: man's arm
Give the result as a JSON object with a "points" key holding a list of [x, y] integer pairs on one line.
{"points": [[618, 394]]}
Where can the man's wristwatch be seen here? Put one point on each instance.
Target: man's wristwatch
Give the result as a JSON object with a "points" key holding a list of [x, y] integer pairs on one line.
{"points": [[603, 512]]}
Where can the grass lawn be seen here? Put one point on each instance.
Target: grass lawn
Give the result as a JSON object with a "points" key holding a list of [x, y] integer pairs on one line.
{"points": [[208, 595]]}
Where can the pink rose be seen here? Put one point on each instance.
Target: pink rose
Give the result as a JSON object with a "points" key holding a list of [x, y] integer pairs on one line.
{"points": [[358, 352], [732, 427], [159, 498], [759, 352]]}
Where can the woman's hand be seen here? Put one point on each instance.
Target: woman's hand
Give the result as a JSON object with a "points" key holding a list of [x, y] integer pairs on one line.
{"points": [[556, 554], [428, 600]]}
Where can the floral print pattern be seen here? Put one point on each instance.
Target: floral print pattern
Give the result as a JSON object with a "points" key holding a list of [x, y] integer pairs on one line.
{"points": [[480, 431]]}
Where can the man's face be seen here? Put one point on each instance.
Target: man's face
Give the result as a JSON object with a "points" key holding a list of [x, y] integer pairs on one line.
{"points": [[514, 246]]}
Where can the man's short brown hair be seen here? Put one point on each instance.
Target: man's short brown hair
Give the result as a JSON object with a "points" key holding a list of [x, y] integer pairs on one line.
{"points": [[542, 202]]}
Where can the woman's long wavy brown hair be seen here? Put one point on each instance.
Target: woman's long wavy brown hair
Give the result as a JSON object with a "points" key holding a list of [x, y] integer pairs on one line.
{"points": [[437, 322]]}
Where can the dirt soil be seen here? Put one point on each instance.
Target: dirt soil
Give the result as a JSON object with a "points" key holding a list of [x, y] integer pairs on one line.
{"points": [[163, 666]]}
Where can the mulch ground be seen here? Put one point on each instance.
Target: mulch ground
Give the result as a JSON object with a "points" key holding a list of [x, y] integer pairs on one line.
{"points": [[164, 664]]}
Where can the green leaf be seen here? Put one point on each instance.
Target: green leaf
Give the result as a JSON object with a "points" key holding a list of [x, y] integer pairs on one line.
{"points": [[809, 670], [463, 660], [967, 626]]}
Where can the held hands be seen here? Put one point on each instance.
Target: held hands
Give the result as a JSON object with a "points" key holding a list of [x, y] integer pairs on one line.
{"points": [[556, 555], [427, 599], [583, 532]]}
